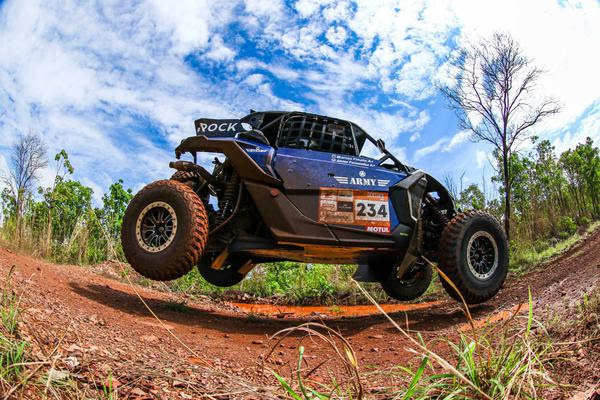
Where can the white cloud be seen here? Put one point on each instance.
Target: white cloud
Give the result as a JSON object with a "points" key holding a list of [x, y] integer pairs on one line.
{"points": [[443, 144], [218, 51], [427, 150], [187, 23], [588, 126], [457, 139], [480, 158], [3, 168], [336, 35], [561, 37], [100, 80], [306, 8], [254, 79], [113, 82]]}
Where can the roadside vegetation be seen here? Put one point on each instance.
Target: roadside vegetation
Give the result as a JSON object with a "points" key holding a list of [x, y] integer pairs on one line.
{"points": [[28, 369], [534, 353]]}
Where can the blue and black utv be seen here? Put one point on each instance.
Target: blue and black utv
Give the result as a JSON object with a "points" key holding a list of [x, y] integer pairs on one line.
{"points": [[293, 186]]}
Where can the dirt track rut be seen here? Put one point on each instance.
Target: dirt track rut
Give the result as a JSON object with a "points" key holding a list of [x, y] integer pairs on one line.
{"points": [[106, 312]]}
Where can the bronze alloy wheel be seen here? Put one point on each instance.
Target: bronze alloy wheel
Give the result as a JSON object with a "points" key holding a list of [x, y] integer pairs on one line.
{"points": [[473, 253], [164, 231]]}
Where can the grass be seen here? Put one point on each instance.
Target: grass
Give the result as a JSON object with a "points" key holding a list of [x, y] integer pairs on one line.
{"points": [[526, 256], [505, 364], [492, 363], [523, 357], [513, 359], [13, 351], [9, 308], [12, 356], [23, 374], [177, 306], [287, 282], [348, 386]]}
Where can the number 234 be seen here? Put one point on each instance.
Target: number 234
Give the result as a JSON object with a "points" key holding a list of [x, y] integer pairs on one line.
{"points": [[372, 210]]}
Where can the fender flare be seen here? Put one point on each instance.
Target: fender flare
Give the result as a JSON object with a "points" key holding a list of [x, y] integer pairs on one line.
{"points": [[243, 164], [446, 199]]}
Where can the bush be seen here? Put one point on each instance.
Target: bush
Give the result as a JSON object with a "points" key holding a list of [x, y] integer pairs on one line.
{"points": [[288, 282], [541, 245], [566, 227], [583, 221]]}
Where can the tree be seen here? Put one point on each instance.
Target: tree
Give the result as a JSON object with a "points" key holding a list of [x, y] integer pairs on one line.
{"points": [[520, 183], [582, 167], [547, 186], [114, 204], [27, 159], [63, 167], [472, 197], [493, 95]]}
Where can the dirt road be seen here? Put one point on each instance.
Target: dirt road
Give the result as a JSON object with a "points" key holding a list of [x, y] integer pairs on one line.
{"points": [[113, 331]]}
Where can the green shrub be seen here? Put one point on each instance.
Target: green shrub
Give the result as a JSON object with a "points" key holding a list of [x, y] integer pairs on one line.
{"points": [[540, 245], [583, 221], [289, 282], [566, 227]]}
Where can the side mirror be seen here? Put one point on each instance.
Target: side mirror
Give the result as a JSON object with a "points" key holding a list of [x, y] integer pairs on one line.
{"points": [[380, 145]]}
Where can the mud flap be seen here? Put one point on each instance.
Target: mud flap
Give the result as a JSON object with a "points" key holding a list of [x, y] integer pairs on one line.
{"points": [[364, 273]]}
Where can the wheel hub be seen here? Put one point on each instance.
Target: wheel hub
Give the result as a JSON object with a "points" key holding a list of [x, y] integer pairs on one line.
{"points": [[156, 226], [482, 255], [413, 274]]}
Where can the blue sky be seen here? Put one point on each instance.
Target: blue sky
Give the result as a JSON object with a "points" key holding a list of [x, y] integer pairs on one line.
{"points": [[119, 84]]}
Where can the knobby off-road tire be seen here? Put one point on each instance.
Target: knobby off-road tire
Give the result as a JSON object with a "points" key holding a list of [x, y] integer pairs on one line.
{"points": [[411, 286], [474, 255], [191, 179], [228, 275], [172, 251]]}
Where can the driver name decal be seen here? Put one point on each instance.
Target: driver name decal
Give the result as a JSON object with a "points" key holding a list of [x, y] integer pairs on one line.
{"points": [[355, 207]]}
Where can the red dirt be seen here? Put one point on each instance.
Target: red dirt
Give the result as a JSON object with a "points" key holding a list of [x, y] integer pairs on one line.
{"points": [[327, 312], [106, 319]]}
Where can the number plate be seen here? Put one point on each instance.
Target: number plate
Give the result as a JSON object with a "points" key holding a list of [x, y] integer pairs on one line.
{"points": [[370, 210]]}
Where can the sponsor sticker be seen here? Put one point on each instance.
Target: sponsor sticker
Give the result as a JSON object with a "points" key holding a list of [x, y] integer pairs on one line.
{"points": [[257, 150], [352, 160], [352, 180], [220, 126], [355, 207]]}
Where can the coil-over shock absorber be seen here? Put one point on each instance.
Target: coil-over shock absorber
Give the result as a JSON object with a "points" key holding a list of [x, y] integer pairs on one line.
{"points": [[434, 207], [228, 200]]}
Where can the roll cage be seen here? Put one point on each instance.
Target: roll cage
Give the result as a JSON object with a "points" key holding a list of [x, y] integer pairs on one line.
{"points": [[317, 132]]}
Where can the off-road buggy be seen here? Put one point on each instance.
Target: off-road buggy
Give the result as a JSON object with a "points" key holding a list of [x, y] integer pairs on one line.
{"points": [[293, 186]]}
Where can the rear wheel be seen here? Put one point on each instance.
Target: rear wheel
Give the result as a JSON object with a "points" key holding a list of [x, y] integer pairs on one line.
{"points": [[164, 230], [191, 179], [412, 285], [474, 255], [228, 274]]}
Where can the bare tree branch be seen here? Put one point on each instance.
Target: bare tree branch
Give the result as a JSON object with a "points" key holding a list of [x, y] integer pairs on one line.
{"points": [[27, 159], [495, 81]]}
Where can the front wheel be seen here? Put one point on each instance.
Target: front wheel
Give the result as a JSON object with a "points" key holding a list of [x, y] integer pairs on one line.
{"points": [[412, 285], [165, 228], [228, 274], [474, 256]]}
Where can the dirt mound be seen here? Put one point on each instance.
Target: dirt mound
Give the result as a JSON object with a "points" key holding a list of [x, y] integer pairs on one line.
{"points": [[103, 323]]}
